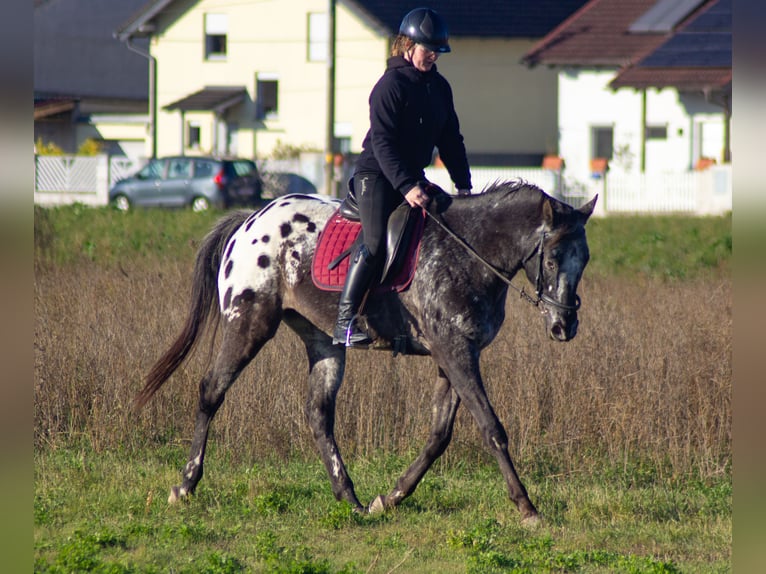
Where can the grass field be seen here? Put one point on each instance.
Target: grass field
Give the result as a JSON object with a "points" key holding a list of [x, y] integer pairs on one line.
{"points": [[622, 436], [106, 512]]}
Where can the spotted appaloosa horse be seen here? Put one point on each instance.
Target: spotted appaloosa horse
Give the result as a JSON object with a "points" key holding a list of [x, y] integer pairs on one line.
{"points": [[257, 267]]}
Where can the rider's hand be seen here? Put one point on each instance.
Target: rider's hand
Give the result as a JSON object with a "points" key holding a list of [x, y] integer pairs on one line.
{"points": [[417, 197]]}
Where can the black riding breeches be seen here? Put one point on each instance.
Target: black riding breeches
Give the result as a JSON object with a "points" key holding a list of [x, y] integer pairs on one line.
{"points": [[377, 199]]}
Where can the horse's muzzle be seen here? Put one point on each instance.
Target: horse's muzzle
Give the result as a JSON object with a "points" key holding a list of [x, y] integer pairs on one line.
{"points": [[564, 331], [561, 327], [561, 319]]}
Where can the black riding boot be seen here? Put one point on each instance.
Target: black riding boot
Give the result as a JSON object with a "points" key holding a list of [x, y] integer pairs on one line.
{"points": [[360, 273]]}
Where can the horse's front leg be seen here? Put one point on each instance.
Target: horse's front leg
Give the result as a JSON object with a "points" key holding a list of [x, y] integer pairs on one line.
{"points": [[327, 364], [444, 407], [463, 371]]}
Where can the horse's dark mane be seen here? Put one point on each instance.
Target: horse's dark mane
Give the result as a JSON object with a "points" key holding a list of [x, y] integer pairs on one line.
{"points": [[522, 190], [525, 197], [524, 201], [510, 186]]}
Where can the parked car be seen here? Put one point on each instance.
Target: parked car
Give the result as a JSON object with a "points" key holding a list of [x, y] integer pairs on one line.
{"points": [[197, 182], [277, 184]]}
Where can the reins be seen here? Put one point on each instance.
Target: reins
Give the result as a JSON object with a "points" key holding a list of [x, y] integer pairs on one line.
{"points": [[541, 297]]}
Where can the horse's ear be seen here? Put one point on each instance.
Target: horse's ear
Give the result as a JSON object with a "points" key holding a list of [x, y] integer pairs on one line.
{"points": [[587, 209], [547, 213]]}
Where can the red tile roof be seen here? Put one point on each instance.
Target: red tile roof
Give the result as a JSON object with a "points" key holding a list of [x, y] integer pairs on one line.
{"points": [[596, 36]]}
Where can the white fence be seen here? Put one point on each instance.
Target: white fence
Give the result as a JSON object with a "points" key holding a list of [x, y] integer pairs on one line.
{"points": [[61, 180], [86, 179], [707, 192]]}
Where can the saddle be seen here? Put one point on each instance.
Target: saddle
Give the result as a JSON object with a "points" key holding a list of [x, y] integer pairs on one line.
{"points": [[341, 236]]}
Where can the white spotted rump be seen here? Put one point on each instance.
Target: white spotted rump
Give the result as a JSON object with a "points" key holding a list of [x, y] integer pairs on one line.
{"points": [[269, 248]]}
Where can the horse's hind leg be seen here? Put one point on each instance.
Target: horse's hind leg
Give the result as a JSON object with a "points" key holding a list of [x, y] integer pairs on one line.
{"points": [[327, 363], [241, 341], [444, 407]]}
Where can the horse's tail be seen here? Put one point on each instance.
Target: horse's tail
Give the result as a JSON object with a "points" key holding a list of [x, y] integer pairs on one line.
{"points": [[203, 306]]}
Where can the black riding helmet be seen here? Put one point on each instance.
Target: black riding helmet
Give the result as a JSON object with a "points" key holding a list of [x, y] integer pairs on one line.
{"points": [[426, 27]]}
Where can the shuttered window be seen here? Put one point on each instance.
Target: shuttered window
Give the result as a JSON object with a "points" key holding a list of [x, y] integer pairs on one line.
{"points": [[216, 30]]}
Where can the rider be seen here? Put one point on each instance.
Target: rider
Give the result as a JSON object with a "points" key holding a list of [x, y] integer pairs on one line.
{"points": [[411, 113]]}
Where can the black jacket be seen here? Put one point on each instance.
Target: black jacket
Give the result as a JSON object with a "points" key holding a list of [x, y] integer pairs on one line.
{"points": [[411, 112]]}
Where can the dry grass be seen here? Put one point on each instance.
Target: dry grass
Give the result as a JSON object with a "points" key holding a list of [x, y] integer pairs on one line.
{"points": [[647, 379]]}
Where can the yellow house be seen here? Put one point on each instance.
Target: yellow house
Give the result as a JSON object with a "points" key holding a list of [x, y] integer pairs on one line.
{"points": [[246, 77]]}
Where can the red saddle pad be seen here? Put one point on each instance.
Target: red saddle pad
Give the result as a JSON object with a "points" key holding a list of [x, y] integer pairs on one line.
{"points": [[337, 236]]}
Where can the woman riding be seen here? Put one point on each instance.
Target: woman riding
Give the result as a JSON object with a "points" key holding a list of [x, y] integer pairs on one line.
{"points": [[411, 113]]}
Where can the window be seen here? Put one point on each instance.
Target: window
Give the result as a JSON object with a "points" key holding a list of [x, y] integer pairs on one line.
{"points": [[266, 96], [179, 169], [342, 132], [656, 132], [243, 168], [204, 168], [232, 140], [216, 28], [318, 32], [152, 170], [602, 142], [344, 145], [192, 134]]}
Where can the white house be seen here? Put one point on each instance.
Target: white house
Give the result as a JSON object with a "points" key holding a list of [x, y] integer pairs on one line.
{"points": [[249, 78], [644, 84]]}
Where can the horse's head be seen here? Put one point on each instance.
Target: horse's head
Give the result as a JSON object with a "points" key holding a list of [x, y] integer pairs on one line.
{"points": [[557, 264]]}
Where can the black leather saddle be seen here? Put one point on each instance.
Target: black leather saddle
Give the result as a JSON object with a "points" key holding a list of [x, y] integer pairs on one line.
{"points": [[399, 234]]}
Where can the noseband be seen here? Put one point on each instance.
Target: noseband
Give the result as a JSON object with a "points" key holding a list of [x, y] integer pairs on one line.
{"points": [[540, 297]]}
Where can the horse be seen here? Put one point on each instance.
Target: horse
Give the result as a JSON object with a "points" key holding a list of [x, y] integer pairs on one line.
{"points": [[253, 271]]}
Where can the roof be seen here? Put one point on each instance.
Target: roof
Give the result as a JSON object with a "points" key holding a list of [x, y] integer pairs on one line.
{"points": [[139, 22], [210, 98], [53, 107], [596, 36], [489, 18], [664, 16], [697, 57], [75, 54]]}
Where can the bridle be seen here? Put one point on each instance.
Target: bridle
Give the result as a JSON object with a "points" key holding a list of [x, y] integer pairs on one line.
{"points": [[540, 297]]}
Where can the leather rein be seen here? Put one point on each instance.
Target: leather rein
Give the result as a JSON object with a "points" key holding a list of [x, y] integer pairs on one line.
{"points": [[540, 297]]}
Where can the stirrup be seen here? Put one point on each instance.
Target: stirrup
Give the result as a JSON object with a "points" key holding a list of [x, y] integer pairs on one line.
{"points": [[351, 336]]}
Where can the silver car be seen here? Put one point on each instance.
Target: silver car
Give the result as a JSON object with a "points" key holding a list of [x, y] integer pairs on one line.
{"points": [[196, 182]]}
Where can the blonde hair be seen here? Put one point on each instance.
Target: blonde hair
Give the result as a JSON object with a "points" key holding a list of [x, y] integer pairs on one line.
{"points": [[401, 45]]}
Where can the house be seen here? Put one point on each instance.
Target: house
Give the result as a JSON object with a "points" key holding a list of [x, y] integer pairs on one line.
{"points": [[87, 85], [696, 61], [252, 78], [643, 84]]}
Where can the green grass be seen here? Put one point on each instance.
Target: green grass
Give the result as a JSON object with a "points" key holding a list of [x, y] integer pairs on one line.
{"points": [[77, 233], [107, 512], [661, 247]]}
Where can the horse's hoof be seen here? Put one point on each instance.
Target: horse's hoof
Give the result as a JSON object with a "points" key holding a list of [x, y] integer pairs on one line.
{"points": [[176, 494], [532, 521], [377, 505]]}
